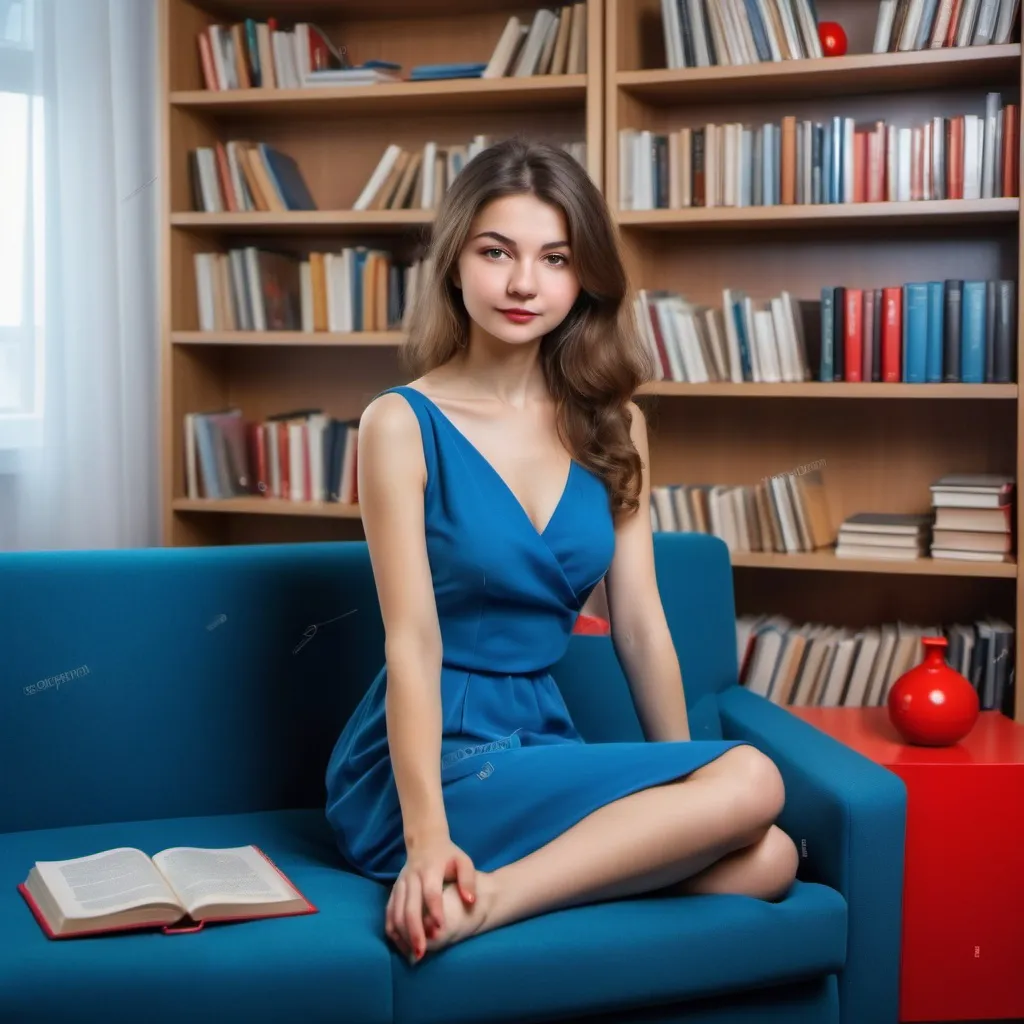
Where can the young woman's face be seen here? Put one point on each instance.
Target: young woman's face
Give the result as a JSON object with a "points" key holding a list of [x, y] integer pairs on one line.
{"points": [[516, 269]]}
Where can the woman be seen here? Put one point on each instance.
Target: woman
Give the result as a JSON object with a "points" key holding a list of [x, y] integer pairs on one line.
{"points": [[498, 489]]}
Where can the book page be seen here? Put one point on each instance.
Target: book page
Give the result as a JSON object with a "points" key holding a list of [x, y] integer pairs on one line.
{"points": [[105, 883], [238, 875]]}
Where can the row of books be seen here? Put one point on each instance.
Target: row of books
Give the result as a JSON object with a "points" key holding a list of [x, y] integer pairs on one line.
{"points": [[356, 288], [552, 42], [748, 339], [966, 156], [406, 179], [933, 24], [240, 176], [254, 54], [722, 32], [300, 455], [785, 513], [800, 664], [920, 333]]}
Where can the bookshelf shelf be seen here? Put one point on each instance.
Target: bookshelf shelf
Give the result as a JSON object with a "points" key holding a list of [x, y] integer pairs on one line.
{"points": [[304, 221], [332, 339], [826, 215], [817, 389], [267, 507], [406, 98], [857, 74], [825, 561]]}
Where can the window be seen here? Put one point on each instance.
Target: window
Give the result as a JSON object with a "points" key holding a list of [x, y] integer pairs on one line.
{"points": [[21, 230]]}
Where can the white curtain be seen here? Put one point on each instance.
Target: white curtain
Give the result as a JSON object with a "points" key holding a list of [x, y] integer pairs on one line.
{"points": [[78, 273]]}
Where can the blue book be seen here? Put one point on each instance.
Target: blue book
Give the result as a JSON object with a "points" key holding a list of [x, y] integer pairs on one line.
{"points": [[828, 334], [972, 333], [915, 333], [936, 331]]}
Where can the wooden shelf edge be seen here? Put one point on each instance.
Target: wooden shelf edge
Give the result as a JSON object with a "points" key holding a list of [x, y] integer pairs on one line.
{"points": [[875, 71], [839, 389], [820, 213], [454, 91], [297, 219], [822, 561], [293, 339], [267, 506], [827, 561]]}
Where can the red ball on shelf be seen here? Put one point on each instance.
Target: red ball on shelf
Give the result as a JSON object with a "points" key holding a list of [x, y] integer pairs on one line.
{"points": [[933, 705], [833, 38]]}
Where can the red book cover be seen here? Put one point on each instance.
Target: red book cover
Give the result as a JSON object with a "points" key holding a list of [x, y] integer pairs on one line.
{"points": [[184, 926], [860, 166], [284, 460], [853, 340], [955, 158], [892, 335], [1011, 150]]}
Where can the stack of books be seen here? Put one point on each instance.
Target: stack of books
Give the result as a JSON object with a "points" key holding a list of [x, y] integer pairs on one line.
{"points": [[895, 535], [973, 517]]}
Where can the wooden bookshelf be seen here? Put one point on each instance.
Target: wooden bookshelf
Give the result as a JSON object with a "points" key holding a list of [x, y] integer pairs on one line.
{"points": [[881, 452], [336, 135]]}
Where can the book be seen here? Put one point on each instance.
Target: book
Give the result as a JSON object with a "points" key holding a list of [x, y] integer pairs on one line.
{"points": [[179, 889]]}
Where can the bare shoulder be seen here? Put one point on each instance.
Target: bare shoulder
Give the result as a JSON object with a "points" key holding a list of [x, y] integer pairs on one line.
{"points": [[390, 444], [388, 418]]}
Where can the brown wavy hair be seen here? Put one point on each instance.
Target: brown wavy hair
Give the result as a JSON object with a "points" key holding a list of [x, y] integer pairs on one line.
{"points": [[596, 358]]}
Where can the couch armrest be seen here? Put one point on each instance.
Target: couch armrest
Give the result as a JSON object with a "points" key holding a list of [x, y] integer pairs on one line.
{"points": [[847, 816]]}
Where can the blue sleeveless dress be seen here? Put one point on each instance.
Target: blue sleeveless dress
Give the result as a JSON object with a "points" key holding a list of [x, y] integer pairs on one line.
{"points": [[515, 772]]}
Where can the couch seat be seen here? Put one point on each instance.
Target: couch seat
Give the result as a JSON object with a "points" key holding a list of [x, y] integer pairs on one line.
{"points": [[331, 966], [626, 954]]}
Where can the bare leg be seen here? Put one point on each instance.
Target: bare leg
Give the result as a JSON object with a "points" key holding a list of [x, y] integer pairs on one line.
{"points": [[764, 870], [649, 840]]}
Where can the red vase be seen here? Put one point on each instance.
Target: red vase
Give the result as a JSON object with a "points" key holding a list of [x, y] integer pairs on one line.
{"points": [[933, 705], [833, 39]]}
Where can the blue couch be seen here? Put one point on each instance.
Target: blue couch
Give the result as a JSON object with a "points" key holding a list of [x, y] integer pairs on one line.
{"points": [[162, 697]]}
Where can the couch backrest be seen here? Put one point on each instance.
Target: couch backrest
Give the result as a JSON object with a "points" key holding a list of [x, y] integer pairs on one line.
{"points": [[163, 682]]}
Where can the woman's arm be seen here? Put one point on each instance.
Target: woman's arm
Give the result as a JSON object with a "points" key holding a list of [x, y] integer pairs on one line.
{"points": [[640, 633], [392, 473]]}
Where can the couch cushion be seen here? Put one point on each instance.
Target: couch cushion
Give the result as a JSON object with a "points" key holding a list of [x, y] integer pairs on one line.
{"points": [[626, 954], [330, 966]]}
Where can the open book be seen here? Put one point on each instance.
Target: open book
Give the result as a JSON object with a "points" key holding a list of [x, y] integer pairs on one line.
{"points": [[182, 886]]}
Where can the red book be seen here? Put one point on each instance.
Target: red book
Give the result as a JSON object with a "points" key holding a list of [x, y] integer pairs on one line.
{"points": [[853, 341], [892, 335], [178, 890], [860, 166]]}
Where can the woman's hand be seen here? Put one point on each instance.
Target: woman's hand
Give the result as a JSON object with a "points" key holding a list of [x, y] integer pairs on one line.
{"points": [[415, 911]]}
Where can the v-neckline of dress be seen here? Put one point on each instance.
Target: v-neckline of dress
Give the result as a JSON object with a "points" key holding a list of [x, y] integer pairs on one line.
{"points": [[504, 483]]}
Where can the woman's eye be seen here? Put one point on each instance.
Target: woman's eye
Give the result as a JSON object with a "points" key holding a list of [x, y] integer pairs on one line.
{"points": [[556, 256], [491, 252]]}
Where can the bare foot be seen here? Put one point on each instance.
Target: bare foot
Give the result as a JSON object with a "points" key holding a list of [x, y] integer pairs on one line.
{"points": [[462, 920]]}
